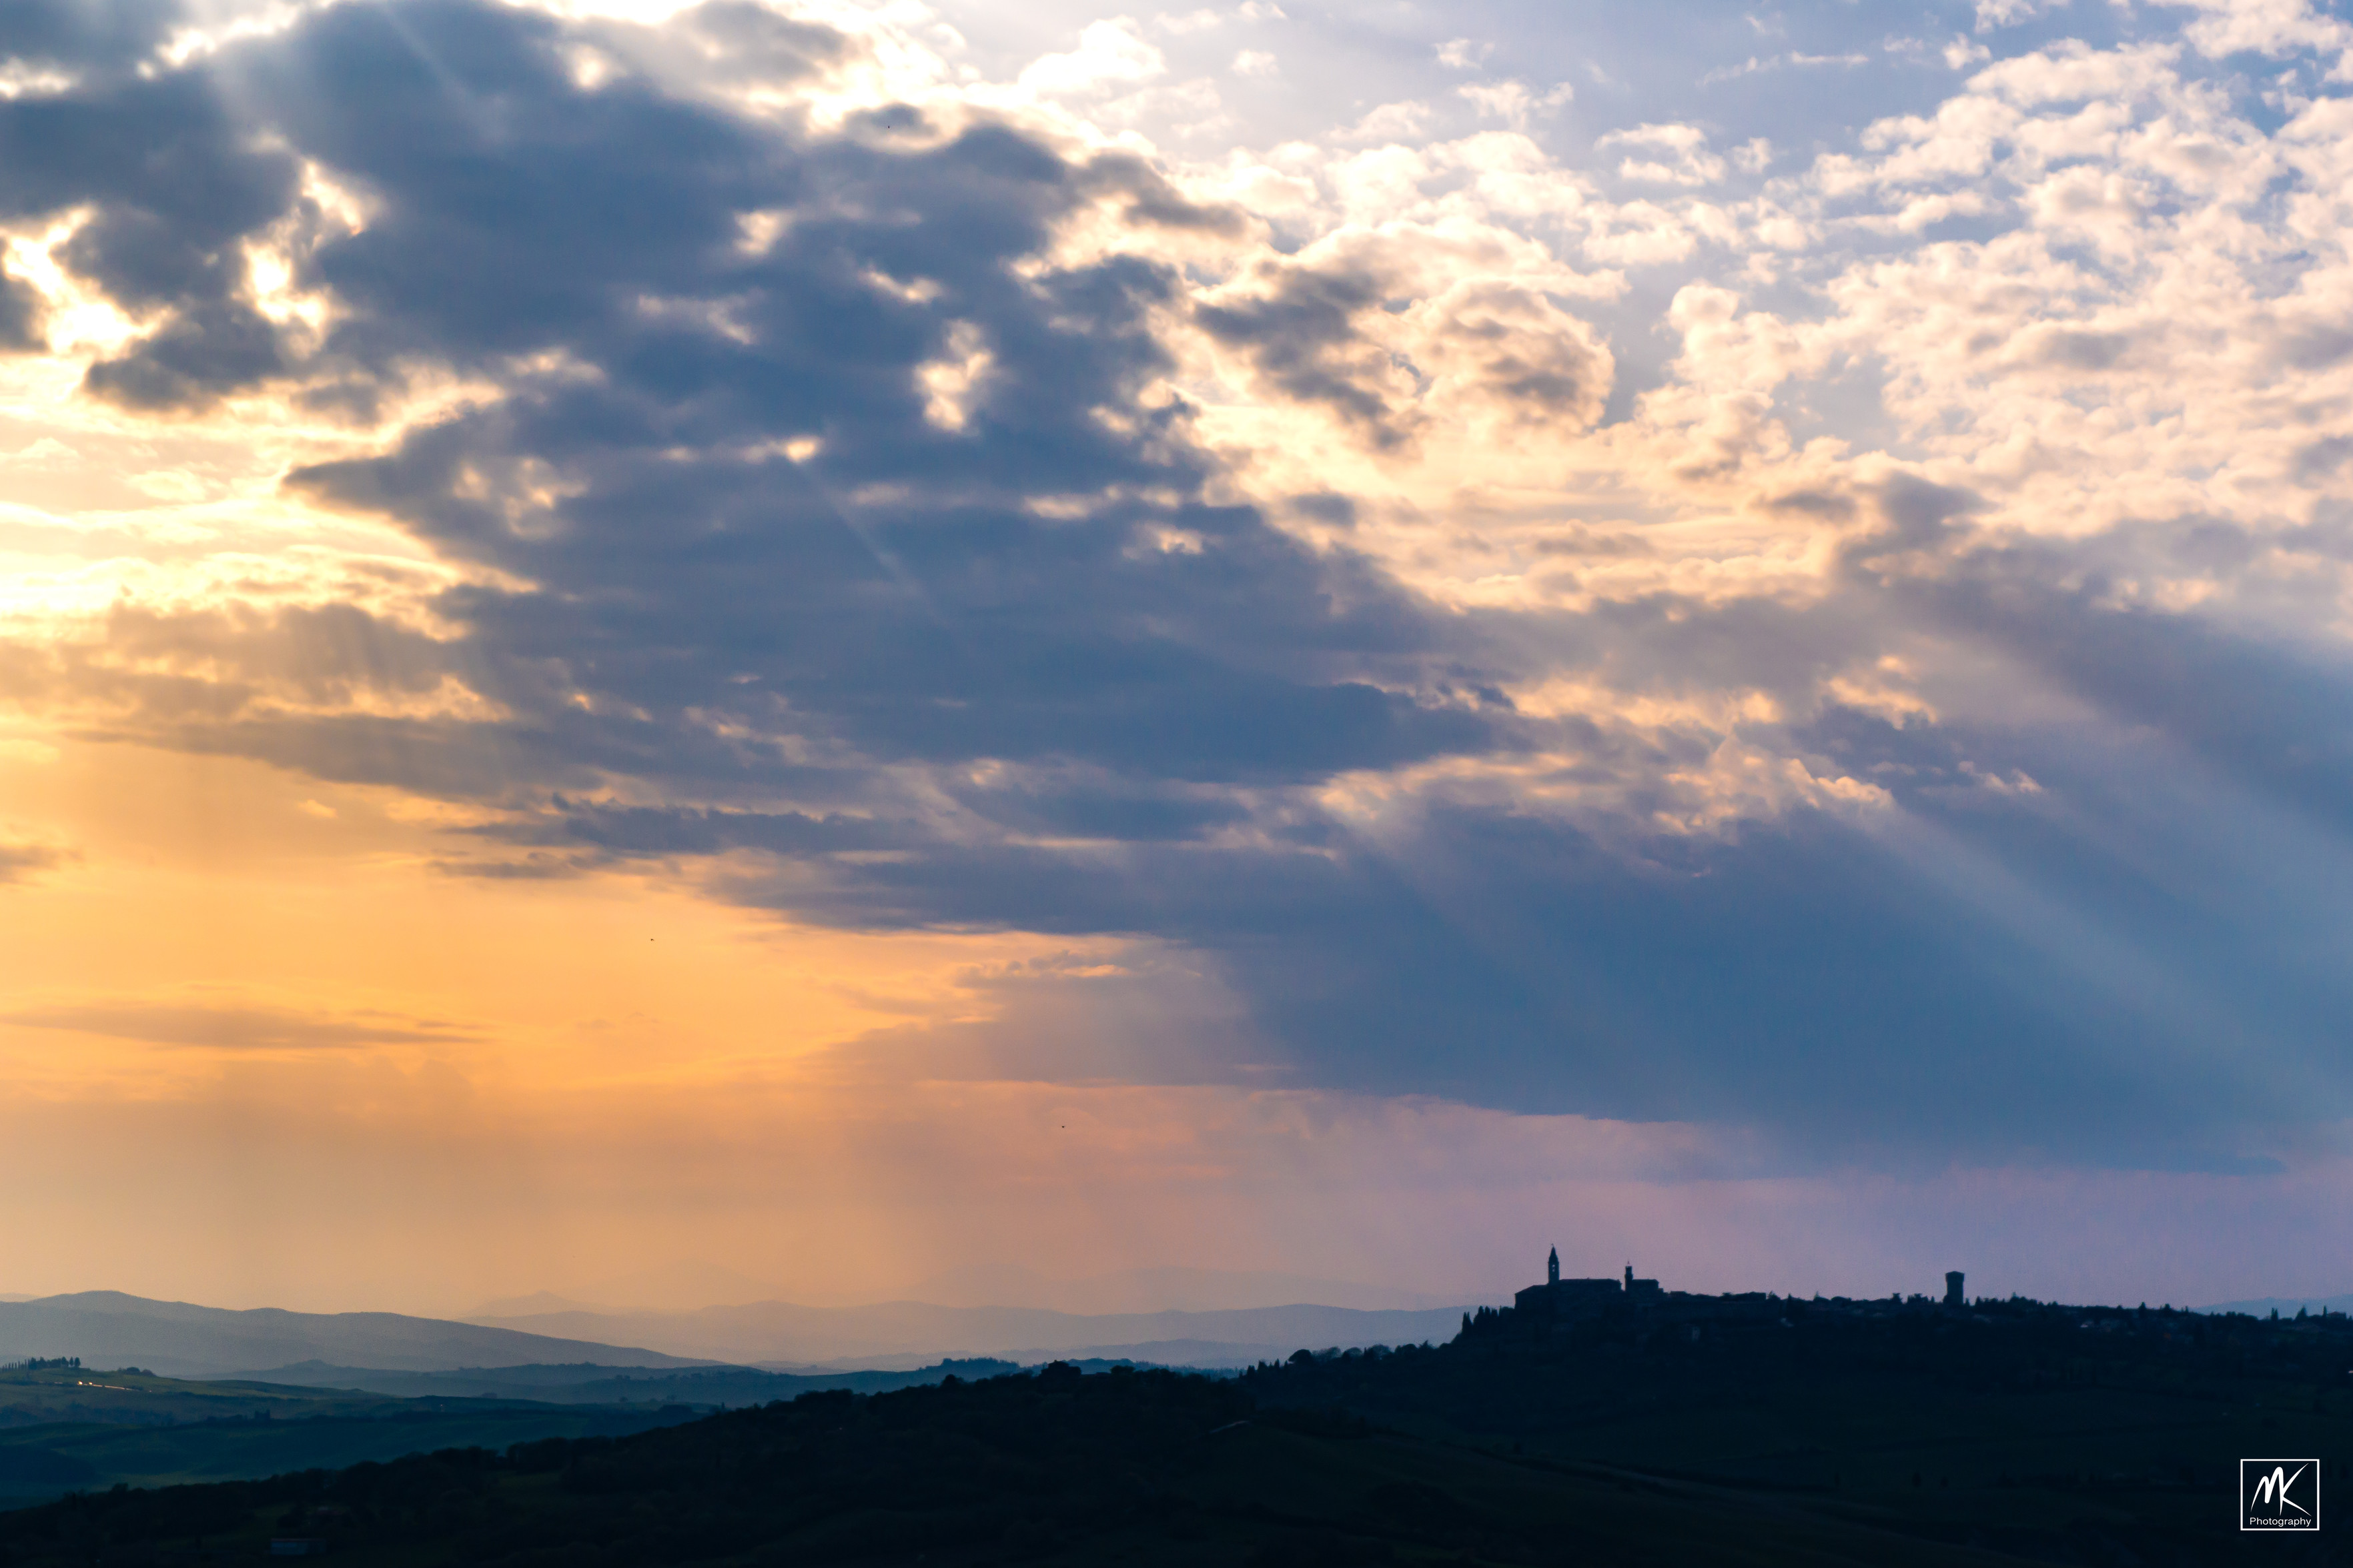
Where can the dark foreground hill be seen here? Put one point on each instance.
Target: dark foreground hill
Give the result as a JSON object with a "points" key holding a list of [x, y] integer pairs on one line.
{"points": [[1781, 1433], [2093, 1434], [40, 1462], [1148, 1468], [71, 1428], [64, 1428]]}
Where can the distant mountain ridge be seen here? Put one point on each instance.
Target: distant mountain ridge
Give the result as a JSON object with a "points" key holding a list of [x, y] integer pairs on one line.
{"points": [[692, 1285], [786, 1333], [109, 1329], [702, 1386]]}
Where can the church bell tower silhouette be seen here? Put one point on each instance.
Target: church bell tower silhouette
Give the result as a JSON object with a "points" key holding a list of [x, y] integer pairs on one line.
{"points": [[1552, 1268]]}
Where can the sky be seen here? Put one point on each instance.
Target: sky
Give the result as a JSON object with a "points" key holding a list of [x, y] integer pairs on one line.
{"points": [[844, 641]]}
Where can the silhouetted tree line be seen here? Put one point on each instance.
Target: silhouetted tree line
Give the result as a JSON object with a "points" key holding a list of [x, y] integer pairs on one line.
{"points": [[1014, 1463], [1519, 1377]]}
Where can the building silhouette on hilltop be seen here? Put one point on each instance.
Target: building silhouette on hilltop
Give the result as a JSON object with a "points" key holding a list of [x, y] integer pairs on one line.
{"points": [[1560, 1298], [1559, 1310]]}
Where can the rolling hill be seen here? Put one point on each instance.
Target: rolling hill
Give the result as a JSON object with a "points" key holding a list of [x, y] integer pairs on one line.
{"points": [[783, 1334], [105, 1328]]}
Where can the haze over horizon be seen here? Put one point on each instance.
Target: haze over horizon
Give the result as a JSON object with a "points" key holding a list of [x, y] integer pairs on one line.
{"points": [[852, 643]]}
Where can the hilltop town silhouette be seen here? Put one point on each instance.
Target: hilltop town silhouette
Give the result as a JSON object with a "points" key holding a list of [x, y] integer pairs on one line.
{"points": [[1556, 1305]]}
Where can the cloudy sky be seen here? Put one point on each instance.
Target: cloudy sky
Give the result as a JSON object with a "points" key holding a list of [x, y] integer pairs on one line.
{"points": [[844, 640]]}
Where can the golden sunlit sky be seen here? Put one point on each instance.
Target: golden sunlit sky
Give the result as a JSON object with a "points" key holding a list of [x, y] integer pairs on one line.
{"points": [[845, 641]]}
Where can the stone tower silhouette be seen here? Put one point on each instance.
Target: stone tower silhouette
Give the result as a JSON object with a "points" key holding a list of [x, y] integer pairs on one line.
{"points": [[1552, 1268]]}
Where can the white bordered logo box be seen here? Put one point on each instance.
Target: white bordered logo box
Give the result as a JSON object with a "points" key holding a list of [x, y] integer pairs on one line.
{"points": [[2279, 1494]]}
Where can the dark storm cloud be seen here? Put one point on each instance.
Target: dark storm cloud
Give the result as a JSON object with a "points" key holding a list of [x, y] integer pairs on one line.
{"points": [[211, 346], [833, 535], [512, 213], [320, 654], [2270, 716], [729, 43], [517, 212], [635, 831], [1123, 809], [2081, 942], [105, 35], [944, 621], [2103, 979], [20, 315], [536, 867], [1302, 337], [177, 183]]}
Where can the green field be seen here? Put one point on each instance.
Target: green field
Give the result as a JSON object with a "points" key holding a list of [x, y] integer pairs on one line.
{"points": [[52, 1393]]}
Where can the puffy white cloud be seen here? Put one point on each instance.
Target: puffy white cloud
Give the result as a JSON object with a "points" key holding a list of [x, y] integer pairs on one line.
{"points": [[1463, 53], [1112, 54], [1994, 14], [1512, 102], [2262, 26], [1664, 154], [1961, 53]]}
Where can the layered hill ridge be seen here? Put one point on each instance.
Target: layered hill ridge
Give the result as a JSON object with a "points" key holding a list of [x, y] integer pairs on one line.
{"points": [[107, 1329], [782, 1333]]}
